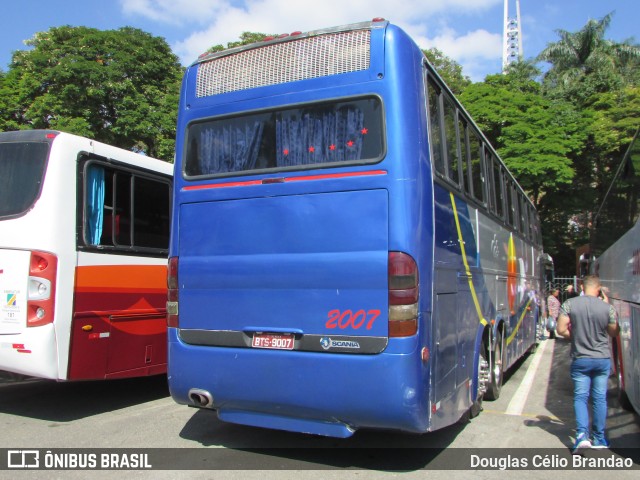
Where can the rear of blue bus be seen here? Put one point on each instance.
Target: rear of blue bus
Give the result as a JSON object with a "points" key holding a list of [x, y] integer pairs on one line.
{"points": [[294, 272]]}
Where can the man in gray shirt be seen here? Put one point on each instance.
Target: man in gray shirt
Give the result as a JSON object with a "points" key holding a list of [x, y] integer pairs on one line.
{"points": [[588, 321]]}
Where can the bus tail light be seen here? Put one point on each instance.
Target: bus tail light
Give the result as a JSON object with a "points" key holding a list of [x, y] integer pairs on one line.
{"points": [[41, 289], [403, 295], [172, 293]]}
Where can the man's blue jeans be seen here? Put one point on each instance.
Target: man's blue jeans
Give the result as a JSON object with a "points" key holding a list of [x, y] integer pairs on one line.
{"points": [[590, 374]]}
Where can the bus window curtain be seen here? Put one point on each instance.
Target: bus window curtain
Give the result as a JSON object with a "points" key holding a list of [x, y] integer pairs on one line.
{"points": [[232, 147], [319, 137], [95, 203]]}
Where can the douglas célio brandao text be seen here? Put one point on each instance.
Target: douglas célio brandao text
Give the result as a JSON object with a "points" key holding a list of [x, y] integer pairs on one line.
{"points": [[534, 461]]}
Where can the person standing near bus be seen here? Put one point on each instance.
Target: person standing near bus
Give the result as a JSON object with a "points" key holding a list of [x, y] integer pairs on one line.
{"points": [[571, 291], [553, 307], [587, 321]]}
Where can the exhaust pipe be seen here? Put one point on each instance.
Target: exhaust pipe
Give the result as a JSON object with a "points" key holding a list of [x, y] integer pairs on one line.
{"points": [[200, 398]]}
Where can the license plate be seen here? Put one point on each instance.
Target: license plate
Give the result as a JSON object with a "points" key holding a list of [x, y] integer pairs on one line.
{"points": [[273, 341]]}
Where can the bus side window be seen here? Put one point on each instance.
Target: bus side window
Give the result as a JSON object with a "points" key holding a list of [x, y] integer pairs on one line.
{"points": [[464, 155], [524, 223], [122, 208], [490, 183], [151, 213], [499, 191], [451, 137], [477, 175], [94, 204], [435, 132], [513, 205]]}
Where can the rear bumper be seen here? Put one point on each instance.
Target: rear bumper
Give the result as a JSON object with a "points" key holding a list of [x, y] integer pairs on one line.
{"points": [[329, 394], [32, 352]]}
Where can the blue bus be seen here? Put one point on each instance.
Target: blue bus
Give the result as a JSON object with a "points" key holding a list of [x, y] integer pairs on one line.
{"points": [[347, 249], [615, 247]]}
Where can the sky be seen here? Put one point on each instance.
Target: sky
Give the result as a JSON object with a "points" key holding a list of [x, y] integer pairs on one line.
{"points": [[468, 31]]}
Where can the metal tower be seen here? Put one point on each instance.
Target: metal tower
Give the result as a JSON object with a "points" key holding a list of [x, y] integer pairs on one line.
{"points": [[512, 43]]}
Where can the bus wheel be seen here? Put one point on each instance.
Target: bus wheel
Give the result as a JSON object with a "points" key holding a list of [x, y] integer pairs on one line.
{"points": [[482, 381], [623, 399], [497, 370]]}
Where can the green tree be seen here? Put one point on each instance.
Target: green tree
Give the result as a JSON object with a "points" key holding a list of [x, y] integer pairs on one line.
{"points": [[246, 38], [448, 69], [599, 78], [614, 121], [584, 63], [535, 137], [120, 87], [539, 140]]}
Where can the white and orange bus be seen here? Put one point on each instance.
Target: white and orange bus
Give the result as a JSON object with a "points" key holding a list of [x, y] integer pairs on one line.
{"points": [[84, 233]]}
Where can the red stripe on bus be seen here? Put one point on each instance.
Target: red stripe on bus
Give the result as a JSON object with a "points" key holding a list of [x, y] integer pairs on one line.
{"points": [[224, 185], [285, 180], [336, 175]]}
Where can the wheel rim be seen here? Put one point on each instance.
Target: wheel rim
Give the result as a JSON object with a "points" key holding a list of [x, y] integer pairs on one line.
{"points": [[497, 362]]}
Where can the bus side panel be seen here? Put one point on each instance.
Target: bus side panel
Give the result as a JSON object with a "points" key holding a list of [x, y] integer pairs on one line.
{"points": [[631, 351], [119, 325]]}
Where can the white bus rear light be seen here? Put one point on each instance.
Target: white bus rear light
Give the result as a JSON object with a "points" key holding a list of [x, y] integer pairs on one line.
{"points": [[39, 288], [403, 312]]}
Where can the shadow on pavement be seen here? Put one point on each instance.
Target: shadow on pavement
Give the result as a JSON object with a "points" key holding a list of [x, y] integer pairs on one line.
{"points": [[65, 402], [366, 449], [623, 427]]}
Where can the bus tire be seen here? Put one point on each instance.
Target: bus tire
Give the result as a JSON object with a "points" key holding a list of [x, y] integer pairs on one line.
{"points": [[483, 365], [497, 370]]}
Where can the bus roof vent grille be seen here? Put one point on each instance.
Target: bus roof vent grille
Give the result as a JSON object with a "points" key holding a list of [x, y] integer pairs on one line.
{"points": [[286, 61]]}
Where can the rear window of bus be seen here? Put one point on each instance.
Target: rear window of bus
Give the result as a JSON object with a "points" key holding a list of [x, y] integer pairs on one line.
{"points": [[22, 167], [308, 136]]}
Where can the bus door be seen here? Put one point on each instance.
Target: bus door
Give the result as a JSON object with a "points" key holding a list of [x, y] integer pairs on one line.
{"points": [[456, 316], [445, 333]]}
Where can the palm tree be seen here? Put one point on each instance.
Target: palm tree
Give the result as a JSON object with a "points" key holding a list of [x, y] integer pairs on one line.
{"points": [[584, 62]]}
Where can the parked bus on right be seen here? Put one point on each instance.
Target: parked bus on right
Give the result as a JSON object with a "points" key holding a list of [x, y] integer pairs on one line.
{"points": [[616, 243]]}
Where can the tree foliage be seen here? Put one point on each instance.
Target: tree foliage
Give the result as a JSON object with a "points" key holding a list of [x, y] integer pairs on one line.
{"points": [[246, 38], [599, 78], [561, 133], [535, 137], [448, 69], [118, 86], [585, 63]]}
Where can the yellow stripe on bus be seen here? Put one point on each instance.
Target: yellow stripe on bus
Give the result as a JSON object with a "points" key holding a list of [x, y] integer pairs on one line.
{"points": [[515, 330], [483, 321]]}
